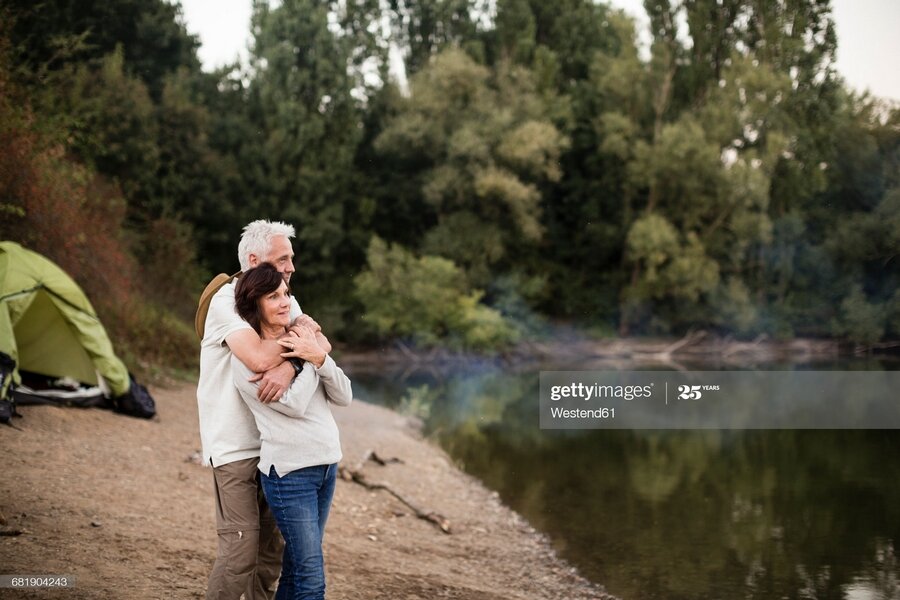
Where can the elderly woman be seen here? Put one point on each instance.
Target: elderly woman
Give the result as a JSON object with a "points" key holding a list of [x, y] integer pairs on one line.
{"points": [[300, 446]]}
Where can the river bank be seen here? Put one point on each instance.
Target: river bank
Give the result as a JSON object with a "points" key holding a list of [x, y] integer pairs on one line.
{"points": [[624, 353], [122, 505]]}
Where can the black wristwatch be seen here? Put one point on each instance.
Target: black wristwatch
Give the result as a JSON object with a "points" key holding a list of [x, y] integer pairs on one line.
{"points": [[297, 364]]}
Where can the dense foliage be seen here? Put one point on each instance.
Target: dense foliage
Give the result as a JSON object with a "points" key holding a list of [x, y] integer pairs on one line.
{"points": [[539, 165]]}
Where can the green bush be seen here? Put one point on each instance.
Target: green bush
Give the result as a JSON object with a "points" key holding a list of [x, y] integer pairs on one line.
{"points": [[426, 299], [860, 320]]}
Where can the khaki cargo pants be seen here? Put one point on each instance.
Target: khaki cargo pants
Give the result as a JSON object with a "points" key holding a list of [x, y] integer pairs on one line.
{"points": [[250, 545]]}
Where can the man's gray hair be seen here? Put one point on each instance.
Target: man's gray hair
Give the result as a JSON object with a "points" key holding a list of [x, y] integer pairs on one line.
{"points": [[257, 239]]}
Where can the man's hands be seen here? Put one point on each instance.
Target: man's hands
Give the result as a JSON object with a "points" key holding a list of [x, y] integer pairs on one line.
{"points": [[274, 382], [310, 323], [306, 321]]}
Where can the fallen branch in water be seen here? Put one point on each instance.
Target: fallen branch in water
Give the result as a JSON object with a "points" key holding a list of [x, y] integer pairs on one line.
{"points": [[665, 354], [691, 338], [407, 352], [884, 345], [355, 475], [738, 347]]}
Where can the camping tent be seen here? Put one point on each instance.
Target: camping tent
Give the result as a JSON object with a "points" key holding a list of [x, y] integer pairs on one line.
{"points": [[49, 328]]}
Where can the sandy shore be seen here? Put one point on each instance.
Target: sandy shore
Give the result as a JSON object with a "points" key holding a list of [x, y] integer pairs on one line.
{"points": [[118, 503]]}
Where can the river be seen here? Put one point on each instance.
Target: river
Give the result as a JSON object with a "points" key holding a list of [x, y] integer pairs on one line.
{"points": [[674, 515]]}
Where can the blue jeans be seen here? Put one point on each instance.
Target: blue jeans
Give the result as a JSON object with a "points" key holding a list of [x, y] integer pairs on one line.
{"points": [[300, 502]]}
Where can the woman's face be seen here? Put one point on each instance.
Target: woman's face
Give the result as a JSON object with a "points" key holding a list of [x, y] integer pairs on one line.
{"points": [[275, 307]]}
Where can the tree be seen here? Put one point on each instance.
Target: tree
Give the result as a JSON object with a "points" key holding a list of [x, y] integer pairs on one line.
{"points": [[486, 147], [306, 57], [113, 125], [423, 28], [46, 36]]}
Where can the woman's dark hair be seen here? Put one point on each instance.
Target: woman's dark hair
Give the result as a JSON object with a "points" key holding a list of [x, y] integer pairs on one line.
{"points": [[253, 285]]}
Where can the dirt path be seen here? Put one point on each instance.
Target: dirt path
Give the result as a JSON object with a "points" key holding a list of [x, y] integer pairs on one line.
{"points": [[117, 503]]}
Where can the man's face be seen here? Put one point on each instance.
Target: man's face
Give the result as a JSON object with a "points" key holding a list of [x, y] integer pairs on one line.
{"points": [[281, 254]]}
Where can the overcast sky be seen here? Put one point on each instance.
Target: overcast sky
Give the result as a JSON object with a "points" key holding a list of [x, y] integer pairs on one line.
{"points": [[868, 37]]}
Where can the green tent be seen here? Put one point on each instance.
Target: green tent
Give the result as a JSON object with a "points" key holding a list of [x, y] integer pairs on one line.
{"points": [[49, 328]]}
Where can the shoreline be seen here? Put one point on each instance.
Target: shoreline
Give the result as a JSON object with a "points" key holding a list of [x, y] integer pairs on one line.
{"points": [[620, 353], [120, 504]]}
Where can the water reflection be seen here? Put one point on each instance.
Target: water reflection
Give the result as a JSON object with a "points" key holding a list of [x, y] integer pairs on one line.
{"points": [[675, 514]]}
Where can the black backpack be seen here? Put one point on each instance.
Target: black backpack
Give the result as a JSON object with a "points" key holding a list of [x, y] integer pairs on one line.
{"points": [[7, 401], [136, 402]]}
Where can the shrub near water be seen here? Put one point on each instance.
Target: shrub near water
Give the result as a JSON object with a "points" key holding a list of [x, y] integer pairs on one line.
{"points": [[427, 299]]}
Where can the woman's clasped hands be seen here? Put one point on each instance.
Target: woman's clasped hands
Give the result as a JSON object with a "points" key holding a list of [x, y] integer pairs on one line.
{"points": [[301, 342]]}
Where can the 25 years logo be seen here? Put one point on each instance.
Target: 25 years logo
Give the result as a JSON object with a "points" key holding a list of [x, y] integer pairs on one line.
{"points": [[693, 392]]}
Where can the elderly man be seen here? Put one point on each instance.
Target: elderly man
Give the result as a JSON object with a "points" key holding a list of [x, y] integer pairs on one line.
{"points": [[250, 546]]}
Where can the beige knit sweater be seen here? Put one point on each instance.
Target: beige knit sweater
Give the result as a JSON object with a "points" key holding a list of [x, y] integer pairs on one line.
{"points": [[298, 430]]}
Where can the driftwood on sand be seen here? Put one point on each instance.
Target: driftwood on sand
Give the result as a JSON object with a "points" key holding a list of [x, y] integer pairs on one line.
{"points": [[356, 475]]}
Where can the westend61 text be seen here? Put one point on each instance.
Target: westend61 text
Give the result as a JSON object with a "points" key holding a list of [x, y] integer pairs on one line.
{"points": [[589, 392], [582, 413]]}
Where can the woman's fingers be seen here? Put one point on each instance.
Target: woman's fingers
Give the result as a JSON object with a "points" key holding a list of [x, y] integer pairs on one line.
{"points": [[300, 346]]}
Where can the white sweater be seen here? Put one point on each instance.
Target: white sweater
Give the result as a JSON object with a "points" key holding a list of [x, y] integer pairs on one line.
{"points": [[298, 430], [227, 429]]}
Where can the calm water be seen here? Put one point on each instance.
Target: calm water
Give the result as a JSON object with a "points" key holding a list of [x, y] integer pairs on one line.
{"points": [[679, 514]]}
